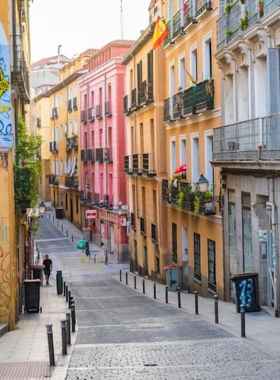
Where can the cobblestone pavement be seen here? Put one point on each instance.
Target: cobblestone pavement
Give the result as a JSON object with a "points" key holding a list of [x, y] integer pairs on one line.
{"points": [[125, 335]]}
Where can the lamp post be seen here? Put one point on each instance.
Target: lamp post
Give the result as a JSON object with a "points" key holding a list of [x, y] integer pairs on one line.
{"points": [[202, 184], [42, 209]]}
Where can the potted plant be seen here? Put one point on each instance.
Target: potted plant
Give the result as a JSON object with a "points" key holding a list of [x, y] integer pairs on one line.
{"points": [[228, 7], [228, 32], [244, 21], [261, 7]]}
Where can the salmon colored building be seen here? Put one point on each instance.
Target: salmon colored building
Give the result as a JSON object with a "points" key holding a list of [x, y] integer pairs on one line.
{"points": [[102, 179]]}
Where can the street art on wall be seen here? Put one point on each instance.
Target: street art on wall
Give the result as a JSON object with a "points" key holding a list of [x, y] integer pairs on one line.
{"points": [[4, 270], [6, 132]]}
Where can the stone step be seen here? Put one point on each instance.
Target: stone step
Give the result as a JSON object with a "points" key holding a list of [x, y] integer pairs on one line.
{"points": [[3, 328]]}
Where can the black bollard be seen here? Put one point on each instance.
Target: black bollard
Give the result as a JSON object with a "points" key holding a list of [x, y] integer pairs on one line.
{"points": [[50, 344], [72, 238], [73, 317], [179, 296], [120, 275], [143, 282], [64, 284], [94, 258], [155, 290], [68, 316], [71, 299], [196, 302], [166, 294], [64, 336], [59, 282], [126, 278], [66, 292], [216, 308], [134, 282], [242, 313], [67, 233], [53, 219]]}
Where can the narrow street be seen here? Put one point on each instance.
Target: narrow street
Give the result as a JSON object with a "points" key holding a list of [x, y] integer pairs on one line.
{"points": [[123, 334]]}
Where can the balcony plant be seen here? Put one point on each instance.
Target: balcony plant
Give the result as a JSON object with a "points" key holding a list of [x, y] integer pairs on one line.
{"points": [[174, 257], [27, 169], [244, 21], [228, 32], [228, 7], [261, 7]]}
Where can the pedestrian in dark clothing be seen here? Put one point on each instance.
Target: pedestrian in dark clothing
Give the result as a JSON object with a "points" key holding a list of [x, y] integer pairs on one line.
{"points": [[48, 268]]}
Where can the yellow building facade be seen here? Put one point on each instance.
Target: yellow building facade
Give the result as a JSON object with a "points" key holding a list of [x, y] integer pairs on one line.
{"points": [[64, 115], [191, 112], [14, 73], [146, 155]]}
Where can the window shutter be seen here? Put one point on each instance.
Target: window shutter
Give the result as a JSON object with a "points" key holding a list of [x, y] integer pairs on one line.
{"points": [[273, 81]]}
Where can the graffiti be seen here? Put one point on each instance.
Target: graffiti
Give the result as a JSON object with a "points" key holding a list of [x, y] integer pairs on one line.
{"points": [[247, 289], [4, 270], [6, 133]]}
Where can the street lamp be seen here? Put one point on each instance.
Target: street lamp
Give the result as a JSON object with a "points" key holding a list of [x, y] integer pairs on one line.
{"points": [[42, 208], [202, 184]]}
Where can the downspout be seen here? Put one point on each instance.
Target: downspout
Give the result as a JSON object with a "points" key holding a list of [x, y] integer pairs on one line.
{"points": [[106, 131], [135, 136], [14, 64], [88, 136]]}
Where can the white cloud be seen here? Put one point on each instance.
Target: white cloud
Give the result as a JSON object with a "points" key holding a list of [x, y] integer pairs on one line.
{"points": [[83, 24]]}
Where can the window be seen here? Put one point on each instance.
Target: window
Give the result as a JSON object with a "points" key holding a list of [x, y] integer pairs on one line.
{"points": [[65, 129], [172, 80], [207, 59], [174, 243], [56, 134], [209, 169], [172, 156], [211, 265], [66, 202], [57, 167], [141, 138], [182, 72], [92, 98], [76, 127], [70, 129], [247, 233], [195, 158], [77, 204], [183, 150], [194, 64], [76, 90], [139, 75], [71, 93], [197, 258]]}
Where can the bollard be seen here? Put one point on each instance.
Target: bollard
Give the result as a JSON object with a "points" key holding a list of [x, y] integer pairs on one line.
{"points": [[66, 293], [64, 336], [179, 296], [120, 275], [155, 290], [216, 308], [144, 290], [73, 317], [72, 238], [94, 258], [59, 281], [67, 233], [69, 295], [242, 313], [68, 316], [166, 294], [57, 224], [134, 282], [71, 299], [196, 302], [50, 343], [64, 284], [126, 278]]}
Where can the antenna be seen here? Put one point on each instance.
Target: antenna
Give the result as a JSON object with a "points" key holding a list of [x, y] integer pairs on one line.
{"points": [[121, 7]]}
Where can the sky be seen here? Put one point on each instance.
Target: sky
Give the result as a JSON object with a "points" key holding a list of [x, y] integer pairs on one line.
{"points": [[83, 24]]}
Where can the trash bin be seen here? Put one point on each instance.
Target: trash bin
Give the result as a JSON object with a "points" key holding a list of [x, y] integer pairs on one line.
{"points": [[246, 291], [32, 296], [59, 213], [173, 277], [86, 232], [38, 272]]}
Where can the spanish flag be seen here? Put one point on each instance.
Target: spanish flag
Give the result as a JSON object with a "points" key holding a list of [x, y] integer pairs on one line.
{"points": [[191, 77], [160, 33]]}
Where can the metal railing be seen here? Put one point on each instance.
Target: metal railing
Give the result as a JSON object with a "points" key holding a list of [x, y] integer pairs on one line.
{"points": [[96, 198], [128, 165], [53, 179], [71, 182], [108, 155], [53, 146], [108, 108], [270, 5], [146, 93], [90, 155], [88, 197], [177, 109], [83, 155], [20, 70], [98, 112], [68, 144], [54, 113], [99, 155], [135, 163], [165, 190], [166, 110], [134, 102], [189, 98], [178, 24], [205, 95], [190, 14], [154, 233], [70, 105], [132, 219], [106, 200], [83, 116], [250, 140], [203, 6], [91, 114], [149, 164], [75, 103], [142, 226], [169, 38]]}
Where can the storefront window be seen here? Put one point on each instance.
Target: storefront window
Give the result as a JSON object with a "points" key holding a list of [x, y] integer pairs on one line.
{"points": [[247, 234]]}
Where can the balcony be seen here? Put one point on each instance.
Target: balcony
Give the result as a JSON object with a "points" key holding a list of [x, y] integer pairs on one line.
{"points": [[166, 111], [75, 103], [189, 101], [108, 108], [70, 105], [91, 114], [146, 93], [126, 105], [88, 199], [53, 146], [90, 155], [99, 155], [132, 220], [53, 179], [142, 226], [177, 106], [248, 142], [98, 112], [108, 155], [72, 143], [203, 6], [190, 14], [106, 201], [96, 198], [169, 38], [54, 113], [205, 96], [71, 182], [165, 190], [83, 117], [149, 169], [128, 165], [83, 155], [137, 165], [20, 70], [134, 100], [178, 24], [39, 122], [154, 233], [82, 196]]}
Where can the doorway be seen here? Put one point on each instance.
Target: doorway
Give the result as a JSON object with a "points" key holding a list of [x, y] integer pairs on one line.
{"points": [[71, 210], [145, 260], [135, 256], [112, 239]]}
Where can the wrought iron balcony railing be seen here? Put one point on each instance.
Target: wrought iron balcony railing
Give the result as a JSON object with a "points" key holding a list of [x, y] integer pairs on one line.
{"points": [[89, 197], [108, 108], [90, 155], [203, 6], [72, 143], [91, 114], [250, 140], [108, 155], [54, 113], [190, 14], [134, 100], [126, 105], [204, 96], [189, 101], [128, 165], [96, 198], [70, 105], [20, 70], [178, 24], [146, 93], [71, 182], [83, 155], [166, 111], [83, 116], [99, 155], [75, 103], [98, 112], [169, 38], [149, 164], [137, 164], [53, 179], [142, 226], [165, 190], [106, 200], [53, 146]]}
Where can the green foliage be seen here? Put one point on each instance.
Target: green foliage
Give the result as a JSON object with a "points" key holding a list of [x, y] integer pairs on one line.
{"points": [[260, 2], [27, 169], [244, 21], [228, 7], [228, 32], [174, 257]]}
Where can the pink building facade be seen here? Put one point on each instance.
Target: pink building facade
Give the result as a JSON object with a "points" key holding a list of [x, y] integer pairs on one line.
{"points": [[103, 182]]}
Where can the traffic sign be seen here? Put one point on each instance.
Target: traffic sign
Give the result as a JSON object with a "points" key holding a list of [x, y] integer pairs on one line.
{"points": [[91, 214]]}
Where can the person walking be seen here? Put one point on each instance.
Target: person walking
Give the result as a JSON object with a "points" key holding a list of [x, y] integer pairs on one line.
{"points": [[48, 268]]}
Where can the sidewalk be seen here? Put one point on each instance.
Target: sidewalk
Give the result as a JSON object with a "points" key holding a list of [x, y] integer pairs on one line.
{"points": [[262, 330]]}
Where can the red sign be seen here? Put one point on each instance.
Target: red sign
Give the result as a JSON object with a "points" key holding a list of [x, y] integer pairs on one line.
{"points": [[91, 214], [102, 214]]}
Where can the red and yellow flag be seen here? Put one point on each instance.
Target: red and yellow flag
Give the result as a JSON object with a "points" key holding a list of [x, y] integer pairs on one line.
{"points": [[191, 77], [160, 33]]}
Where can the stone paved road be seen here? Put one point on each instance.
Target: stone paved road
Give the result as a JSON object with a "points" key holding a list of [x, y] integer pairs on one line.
{"points": [[125, 335]]}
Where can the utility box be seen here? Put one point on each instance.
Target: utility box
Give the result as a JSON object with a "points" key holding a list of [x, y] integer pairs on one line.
{"points": [[173, 277], [38, 272], [246, 291], [32, 296], [86, 232], [59, 213]]}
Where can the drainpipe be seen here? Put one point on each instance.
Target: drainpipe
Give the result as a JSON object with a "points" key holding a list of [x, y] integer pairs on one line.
{"points": [[106, 132], [88, 135], [14, 64], [135, 136]]}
